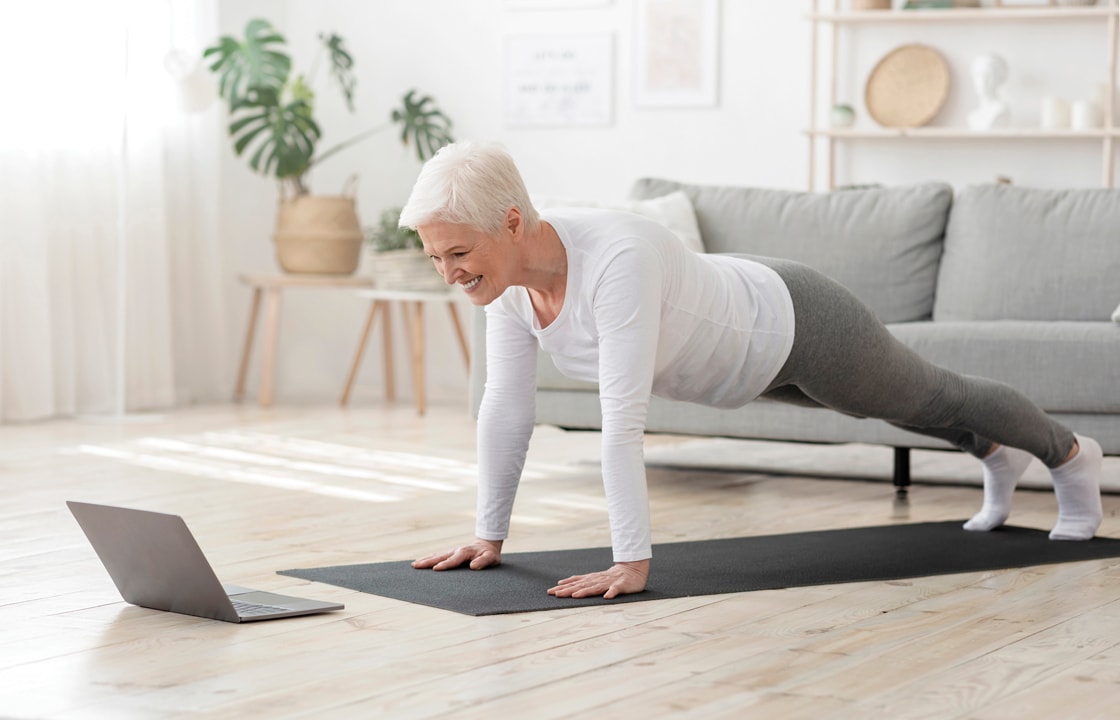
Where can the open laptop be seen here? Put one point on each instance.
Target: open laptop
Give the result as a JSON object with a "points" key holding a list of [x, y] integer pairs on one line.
{"points": [[156, 563]]}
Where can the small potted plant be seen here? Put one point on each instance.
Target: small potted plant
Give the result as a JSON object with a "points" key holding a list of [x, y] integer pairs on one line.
{"points": [[399, 261], [272, 122]]}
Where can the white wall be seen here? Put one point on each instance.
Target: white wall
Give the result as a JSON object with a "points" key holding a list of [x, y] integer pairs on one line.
{"points": [[453, 49]]}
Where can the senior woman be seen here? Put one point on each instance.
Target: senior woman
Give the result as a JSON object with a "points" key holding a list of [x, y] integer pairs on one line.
{"points": [[616, 299]]}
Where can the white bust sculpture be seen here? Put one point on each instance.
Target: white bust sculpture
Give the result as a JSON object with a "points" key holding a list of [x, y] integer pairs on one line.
{"points": [[989, 72]]}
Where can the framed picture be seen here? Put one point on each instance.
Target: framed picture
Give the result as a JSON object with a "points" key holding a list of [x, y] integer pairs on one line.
{"points": [[676, 53], [554, 4], [559, 80]]}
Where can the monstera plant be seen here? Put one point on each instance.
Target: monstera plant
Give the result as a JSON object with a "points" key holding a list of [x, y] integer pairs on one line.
{"points": [[272, 113], [272, 121]]}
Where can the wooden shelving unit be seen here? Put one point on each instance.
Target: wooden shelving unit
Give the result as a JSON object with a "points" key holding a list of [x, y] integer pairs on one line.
{"points": [[985, 14], [1107, 14], [962, 134]]}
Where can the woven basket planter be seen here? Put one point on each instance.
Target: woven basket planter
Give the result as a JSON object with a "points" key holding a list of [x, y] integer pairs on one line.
{"points": [[318, 234]]}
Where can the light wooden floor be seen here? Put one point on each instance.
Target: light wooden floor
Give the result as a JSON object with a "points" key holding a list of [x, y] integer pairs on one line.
{"points": [[301, 487]]}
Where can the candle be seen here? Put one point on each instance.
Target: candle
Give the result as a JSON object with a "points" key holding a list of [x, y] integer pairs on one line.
{"points": [[1055, 113]]}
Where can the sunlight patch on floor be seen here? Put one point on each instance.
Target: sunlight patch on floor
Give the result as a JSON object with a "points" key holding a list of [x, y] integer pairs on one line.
{"points": [[533, 520], [318, 468], [336, 453], [194, 467], [575, 502], [313, 466], [295, 464]]}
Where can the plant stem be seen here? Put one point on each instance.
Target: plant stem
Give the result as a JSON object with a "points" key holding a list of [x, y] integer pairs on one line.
{"points": [[315, 65], [293, 187], [345, 144]]}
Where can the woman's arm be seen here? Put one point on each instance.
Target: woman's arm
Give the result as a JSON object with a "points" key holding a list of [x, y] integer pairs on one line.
{"points": [[627, 309], [505, 420], [505, 424]]}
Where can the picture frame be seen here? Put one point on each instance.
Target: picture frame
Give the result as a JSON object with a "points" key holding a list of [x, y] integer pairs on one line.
{"points": [[676, 53], [559, 80], [554, 4]]}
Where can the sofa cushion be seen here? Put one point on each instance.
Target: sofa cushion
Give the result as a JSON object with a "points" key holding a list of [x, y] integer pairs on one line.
{"points": [[674, 211], [1062, 366], [1050, 362], [883, 243], [1016, 253]]}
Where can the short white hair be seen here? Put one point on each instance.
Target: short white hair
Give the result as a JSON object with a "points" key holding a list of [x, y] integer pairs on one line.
{"points": [[469, 183]]}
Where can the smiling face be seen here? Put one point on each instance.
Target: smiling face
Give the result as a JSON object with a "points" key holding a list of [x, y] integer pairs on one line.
{"points": [[478, 262]]}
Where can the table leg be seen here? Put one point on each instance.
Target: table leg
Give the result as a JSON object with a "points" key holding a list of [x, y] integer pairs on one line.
{"points": [[358, 355], [243, 370], [271, 335], [415, 320], [459, 332], [387, 350]]}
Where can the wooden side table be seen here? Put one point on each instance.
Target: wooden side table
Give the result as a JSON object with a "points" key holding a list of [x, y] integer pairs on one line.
{"points": [[412, 307], [272, 287]]}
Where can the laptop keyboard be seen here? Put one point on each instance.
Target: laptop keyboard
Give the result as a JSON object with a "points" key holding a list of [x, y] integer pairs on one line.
{"points": [[245, 609]]}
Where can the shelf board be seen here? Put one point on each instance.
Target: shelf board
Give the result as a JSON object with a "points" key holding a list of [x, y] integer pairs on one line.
{"points": [[985, 14], [959, 134]]}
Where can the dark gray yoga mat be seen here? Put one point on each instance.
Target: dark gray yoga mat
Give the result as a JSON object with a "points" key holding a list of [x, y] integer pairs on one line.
{"points": [[709, 567]]}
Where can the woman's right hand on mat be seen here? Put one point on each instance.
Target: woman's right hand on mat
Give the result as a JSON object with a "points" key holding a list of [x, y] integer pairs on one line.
{"points": [[480, 554]]}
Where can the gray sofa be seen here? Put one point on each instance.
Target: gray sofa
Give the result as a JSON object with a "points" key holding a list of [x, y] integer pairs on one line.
{"points": [[1010, 283]]}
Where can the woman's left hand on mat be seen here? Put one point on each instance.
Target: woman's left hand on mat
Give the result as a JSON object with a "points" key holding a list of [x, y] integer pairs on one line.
{"points": [[621, 579]]}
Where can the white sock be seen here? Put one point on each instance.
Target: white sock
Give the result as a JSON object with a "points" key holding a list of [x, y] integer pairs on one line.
{"points": [[1077, 483], [1002, 470]]}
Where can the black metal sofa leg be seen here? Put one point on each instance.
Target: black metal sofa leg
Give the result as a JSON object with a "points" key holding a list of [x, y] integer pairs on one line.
{"points": [[901, 481], [901, 471]]}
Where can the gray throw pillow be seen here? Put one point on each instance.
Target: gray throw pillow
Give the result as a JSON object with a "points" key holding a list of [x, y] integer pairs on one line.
{"points": [[1014, 253], [881, 243]]}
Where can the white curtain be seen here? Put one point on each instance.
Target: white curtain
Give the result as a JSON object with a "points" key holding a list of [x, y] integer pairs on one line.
{"points": [[111, 272]]}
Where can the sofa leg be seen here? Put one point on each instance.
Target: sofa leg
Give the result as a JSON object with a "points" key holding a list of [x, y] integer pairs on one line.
{"points": [[901, 470], [901, 481]]}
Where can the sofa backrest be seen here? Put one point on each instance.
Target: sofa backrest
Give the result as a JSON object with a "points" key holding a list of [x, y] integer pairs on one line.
{"points": [[1014, 253], [881, 243]]}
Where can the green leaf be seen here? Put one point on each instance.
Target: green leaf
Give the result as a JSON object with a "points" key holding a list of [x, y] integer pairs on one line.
{"points": [[258, 61], [284, 134], [388, 235], [425, 124], [246, 138], [239, 124], [255, 161], [342, 66], [300, 90]]}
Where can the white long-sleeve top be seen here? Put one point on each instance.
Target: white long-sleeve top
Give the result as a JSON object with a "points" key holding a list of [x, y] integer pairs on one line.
{"points": [[642, 316]]}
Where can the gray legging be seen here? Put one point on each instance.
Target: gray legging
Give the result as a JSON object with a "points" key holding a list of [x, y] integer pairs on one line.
{"points": [[843, 358]]}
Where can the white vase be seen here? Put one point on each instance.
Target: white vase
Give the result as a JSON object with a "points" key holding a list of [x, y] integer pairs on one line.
{"points": [[1085, 115], [1055, 113]]}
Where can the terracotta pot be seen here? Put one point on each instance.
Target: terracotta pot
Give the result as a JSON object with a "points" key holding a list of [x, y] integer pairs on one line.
{"points": [[318, 234]]}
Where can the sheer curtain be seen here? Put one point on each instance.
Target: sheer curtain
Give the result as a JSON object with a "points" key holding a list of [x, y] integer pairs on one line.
{"points": [[103, 153]]}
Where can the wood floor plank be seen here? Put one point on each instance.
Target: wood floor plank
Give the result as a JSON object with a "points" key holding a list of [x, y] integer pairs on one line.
{"points": [[265, 490], [1021, 663]]}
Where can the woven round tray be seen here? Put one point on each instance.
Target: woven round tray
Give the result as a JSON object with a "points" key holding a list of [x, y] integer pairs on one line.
{"points": [[907, 87]]}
